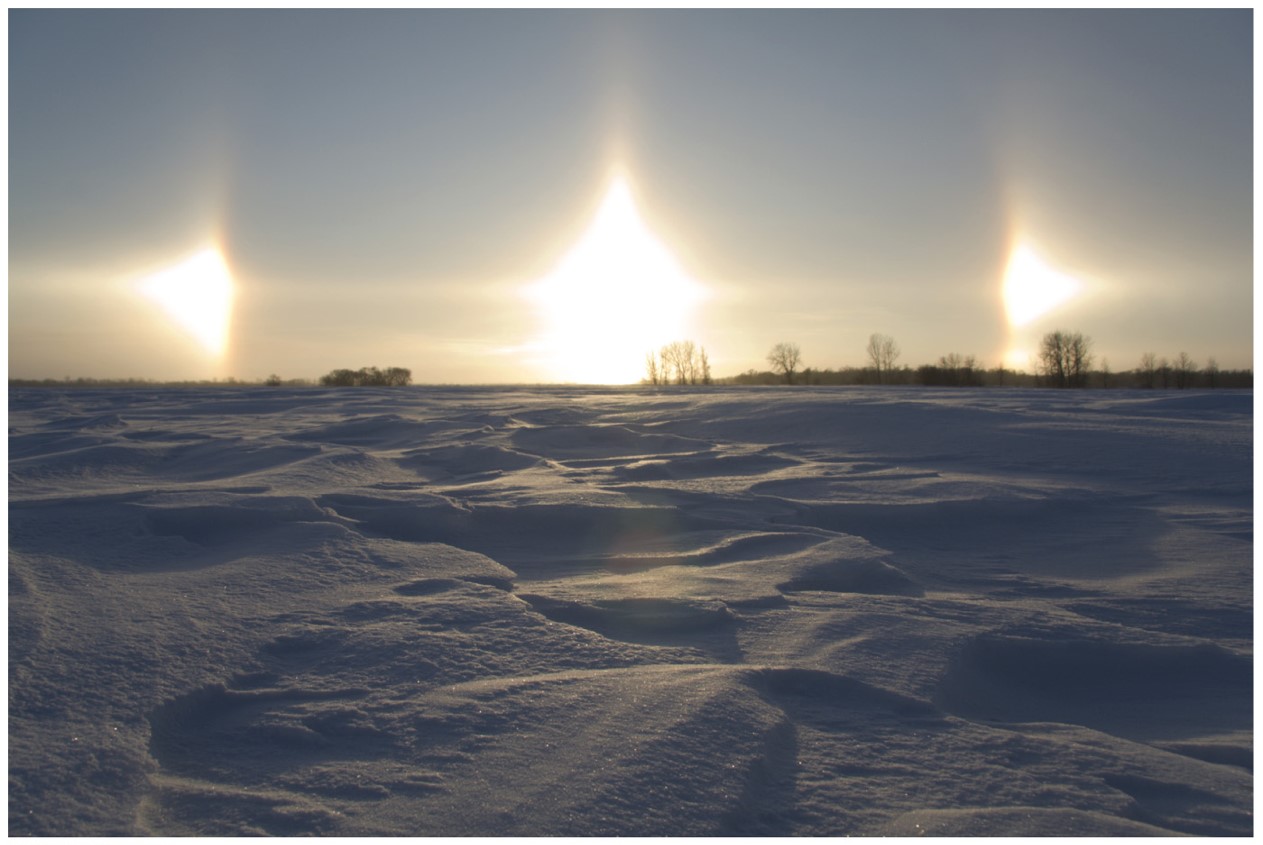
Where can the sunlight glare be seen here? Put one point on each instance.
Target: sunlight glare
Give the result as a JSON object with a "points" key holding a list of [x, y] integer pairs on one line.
{"points": [[197, 296], [618, 294], [1032, 288], [1017, 359]]}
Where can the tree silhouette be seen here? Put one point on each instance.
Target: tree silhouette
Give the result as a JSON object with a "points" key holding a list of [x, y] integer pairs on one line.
{"points": [[652, 373], [682, 361], [1183, 371], [1211, 372], [954, 370], [1148, 370], [784, 359], [882, 354], [1064, 358], [368, 377], [678, 357]]}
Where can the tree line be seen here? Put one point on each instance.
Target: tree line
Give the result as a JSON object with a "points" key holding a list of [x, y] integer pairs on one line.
{"points": [[368, 377], [1064, 360], [365, 376], [136, 382]]}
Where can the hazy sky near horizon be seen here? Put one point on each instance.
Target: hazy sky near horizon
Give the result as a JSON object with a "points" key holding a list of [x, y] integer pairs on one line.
{"points": [[405, 187]]}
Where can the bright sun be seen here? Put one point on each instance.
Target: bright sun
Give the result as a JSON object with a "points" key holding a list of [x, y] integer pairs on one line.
{"points": [[1032, 288], [617, 295], [197, 296]]}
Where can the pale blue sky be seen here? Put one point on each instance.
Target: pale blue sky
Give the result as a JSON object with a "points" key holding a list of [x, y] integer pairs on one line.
{"points": [[384, 184]]}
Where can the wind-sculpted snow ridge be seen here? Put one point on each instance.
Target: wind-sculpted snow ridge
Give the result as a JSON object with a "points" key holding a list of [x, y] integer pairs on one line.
{"points": [[572, 611]]}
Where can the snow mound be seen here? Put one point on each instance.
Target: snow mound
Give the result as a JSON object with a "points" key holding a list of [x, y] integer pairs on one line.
{"points": [[836, 697], [90, 422], [215, 524], [41, 443], [465, 460], [623, 617], [204, 460], [430, 586], [570, 442], [854, 576], [731, 548], [379, 431], [702, 466], [1134, 689]]}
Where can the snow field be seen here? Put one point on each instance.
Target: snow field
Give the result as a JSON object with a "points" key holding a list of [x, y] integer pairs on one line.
{"points": [[475, 611]]}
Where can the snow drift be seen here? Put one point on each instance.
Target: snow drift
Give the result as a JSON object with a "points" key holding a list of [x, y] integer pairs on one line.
{"points": [[630, 612]]}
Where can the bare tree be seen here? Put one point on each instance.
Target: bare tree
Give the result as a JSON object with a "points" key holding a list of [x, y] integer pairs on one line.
{"points": [[969, 373], [1148, 369], [1183, 371], [670, 357], [1080, 360], [682, 361], [784, 359], [1211, 372], [680, 357], [688, 362], [1064, 359], [651, 368], [952, 370], [882, 354]]}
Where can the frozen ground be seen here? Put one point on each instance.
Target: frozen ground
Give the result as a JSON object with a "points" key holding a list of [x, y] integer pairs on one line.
{"points": [[566, 611]]}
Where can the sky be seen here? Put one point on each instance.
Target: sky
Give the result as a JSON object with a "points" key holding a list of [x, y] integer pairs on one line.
{"points": [[523, 196]]}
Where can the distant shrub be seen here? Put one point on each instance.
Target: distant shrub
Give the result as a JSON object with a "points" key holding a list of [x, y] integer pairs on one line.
{"points": [[954, 370], [368, 377]]}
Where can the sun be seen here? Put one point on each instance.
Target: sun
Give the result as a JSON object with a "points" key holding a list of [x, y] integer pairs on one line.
{"points": [[616, 295], [197, 296], [1032, 288]]}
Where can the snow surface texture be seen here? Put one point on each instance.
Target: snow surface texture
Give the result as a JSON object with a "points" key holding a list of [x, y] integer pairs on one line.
{"points": [[574, 611]]}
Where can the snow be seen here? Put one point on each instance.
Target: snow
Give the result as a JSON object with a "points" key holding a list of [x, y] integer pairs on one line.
{"points": [[574, 611]]}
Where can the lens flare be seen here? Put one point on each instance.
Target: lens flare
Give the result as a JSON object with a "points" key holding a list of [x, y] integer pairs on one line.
{"points": [[616, 295], [197, 296]]}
